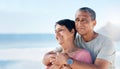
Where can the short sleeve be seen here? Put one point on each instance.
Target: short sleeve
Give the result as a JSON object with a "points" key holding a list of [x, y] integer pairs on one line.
{"points": [[107, 51]]}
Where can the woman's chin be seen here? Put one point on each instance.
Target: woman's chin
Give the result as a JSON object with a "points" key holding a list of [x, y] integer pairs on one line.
{"points": [[60, 43]]}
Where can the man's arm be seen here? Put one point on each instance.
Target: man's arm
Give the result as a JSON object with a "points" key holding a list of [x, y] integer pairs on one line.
{"points": [[99, 64]]}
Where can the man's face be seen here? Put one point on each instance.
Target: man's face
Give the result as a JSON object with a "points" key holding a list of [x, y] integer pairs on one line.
{"points": [[83, 22]]}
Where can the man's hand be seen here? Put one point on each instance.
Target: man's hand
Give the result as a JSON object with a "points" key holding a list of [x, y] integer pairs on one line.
{"points": [[54, 67], [66, 67], [61, 58]]}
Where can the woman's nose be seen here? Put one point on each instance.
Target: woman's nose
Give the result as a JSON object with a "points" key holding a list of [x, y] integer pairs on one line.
{"points": [[57, 34]]}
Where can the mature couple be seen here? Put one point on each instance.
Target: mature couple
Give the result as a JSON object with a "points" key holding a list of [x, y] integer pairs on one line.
{"points": [[89, 50]]}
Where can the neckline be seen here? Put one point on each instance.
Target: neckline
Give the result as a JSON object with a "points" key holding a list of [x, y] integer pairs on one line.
{"points": [[91, 40]]}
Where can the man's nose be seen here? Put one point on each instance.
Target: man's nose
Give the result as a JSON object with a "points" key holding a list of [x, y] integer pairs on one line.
{"points": [[78, 23]]}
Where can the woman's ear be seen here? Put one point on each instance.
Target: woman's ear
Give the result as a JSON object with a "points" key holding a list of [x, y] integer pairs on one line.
{"points": [[73, 31]]}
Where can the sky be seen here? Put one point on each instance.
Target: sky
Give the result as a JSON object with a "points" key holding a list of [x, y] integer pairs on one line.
{"points": [[39, 16]]}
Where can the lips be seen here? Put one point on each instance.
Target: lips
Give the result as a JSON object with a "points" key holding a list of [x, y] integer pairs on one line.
{"points": [[80, 28]]}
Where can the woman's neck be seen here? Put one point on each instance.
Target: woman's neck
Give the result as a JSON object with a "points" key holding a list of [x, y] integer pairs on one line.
{"points": [[69, 47]]}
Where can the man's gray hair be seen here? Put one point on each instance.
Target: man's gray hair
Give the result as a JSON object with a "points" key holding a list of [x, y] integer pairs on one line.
{"points": [[90, 11]]}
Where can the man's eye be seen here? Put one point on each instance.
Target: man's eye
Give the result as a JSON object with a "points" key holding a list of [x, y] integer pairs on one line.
{"points": [[84, 21]]}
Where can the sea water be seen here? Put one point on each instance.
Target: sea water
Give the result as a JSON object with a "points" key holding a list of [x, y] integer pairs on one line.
{"points": [[25, 51]]}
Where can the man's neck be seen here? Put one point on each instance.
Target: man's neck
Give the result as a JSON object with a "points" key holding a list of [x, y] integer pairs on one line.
{"points": [[90, 36]]}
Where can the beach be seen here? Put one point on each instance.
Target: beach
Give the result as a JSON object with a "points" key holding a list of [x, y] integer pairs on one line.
{"points": [[18, 54]]}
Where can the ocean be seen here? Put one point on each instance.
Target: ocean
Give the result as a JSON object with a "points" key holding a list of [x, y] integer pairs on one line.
{"points": [[25, 51]]}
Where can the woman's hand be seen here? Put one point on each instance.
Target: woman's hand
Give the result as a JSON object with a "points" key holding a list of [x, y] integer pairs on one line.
{"points": [[47, 57]]}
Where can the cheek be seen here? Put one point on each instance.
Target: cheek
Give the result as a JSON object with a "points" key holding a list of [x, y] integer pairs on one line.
{"points": [[76, 25], [89, 28], [59, 35], [68, 35]]}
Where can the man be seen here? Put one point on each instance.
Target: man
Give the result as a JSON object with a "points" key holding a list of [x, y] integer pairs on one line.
{"points": [[100, 47]]}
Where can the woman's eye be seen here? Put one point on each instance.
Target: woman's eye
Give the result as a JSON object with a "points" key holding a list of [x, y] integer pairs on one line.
{"points": [[60, 30]]}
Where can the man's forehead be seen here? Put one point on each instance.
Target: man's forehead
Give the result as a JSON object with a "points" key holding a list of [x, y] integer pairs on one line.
{"points": [[82, 14]]}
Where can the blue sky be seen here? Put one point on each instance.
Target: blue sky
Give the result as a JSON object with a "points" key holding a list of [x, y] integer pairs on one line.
{"points": [[39, 16]]}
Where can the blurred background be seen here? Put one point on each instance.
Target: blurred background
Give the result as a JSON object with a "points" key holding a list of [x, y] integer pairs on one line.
{"points": [[27, 28]]}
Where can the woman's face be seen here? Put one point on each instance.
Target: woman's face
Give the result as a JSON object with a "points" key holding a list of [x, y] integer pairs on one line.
{"points": [[63, 34]]}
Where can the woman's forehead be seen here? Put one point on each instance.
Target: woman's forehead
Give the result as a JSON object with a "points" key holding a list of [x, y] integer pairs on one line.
{"points": [[59, 26]]}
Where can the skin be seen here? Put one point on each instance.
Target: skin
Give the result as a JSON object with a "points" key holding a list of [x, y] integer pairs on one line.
{"points": [[63, 35], [85, 26], [66, 39]]}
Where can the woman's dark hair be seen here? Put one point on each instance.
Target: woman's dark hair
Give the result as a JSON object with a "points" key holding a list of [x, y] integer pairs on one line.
{"points": [[69, 24]]}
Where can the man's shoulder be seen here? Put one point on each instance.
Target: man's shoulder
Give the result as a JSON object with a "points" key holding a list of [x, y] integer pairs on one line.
{"points": [[105, 41], [104, 38], [99, 37]]}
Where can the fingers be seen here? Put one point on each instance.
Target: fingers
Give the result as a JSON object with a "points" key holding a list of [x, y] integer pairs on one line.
{"points": [[52, 55], [52, 61], [63, 54], [61, 58], [58, 58], [66, 67], [57, 53]]}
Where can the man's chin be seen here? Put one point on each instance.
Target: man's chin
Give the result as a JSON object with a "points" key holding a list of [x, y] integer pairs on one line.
{"points": [[81, 33]]}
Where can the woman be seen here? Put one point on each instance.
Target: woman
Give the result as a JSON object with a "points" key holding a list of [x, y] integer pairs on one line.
{"points": [[65, 34]]}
